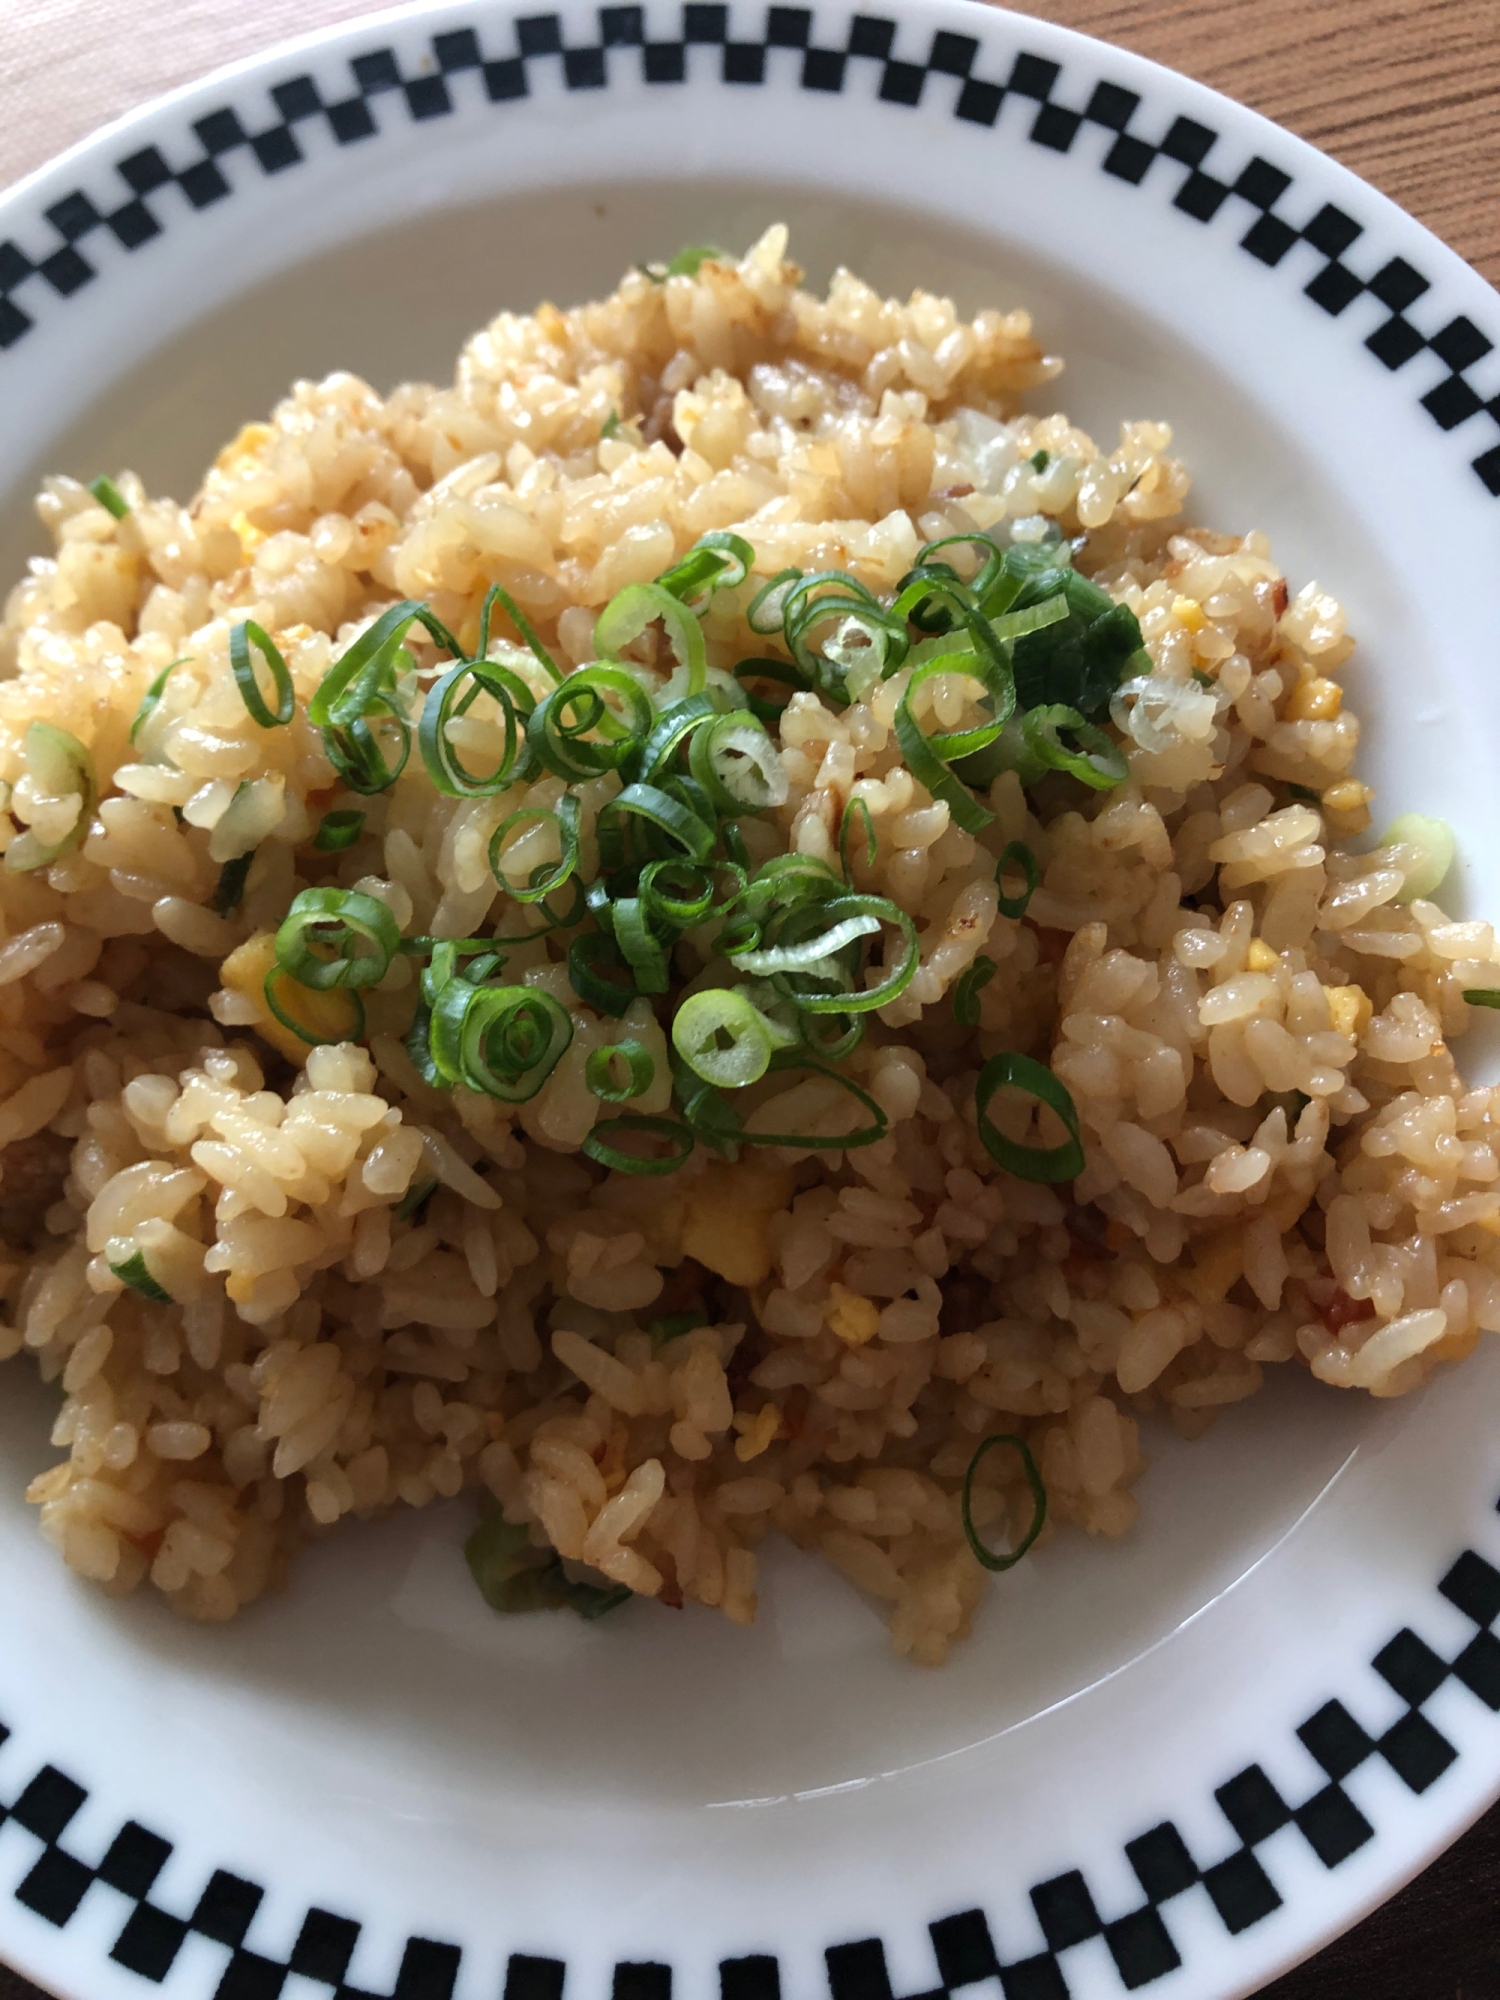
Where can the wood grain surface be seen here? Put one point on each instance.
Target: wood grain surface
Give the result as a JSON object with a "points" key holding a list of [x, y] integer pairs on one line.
{"points": [[1406, 92]]}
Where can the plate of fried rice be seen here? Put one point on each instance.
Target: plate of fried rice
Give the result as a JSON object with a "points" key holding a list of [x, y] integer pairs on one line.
{"points": [[749, 1199]]}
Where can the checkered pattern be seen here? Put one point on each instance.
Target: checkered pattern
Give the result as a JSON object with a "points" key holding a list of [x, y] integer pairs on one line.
{"points": [[965, 1948], [141, 206]]}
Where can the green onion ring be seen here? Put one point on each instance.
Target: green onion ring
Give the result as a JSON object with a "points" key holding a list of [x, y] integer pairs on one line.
{"points": [[154, 694], [1482, 996], [549, 875], [598, 1145], [846, 827], [1018, 852], [966, 990], [241, 638], [134, 1271], [638, 605], [561, 722], [448, 698], [1028, 1163], [640, 1070], [355, 916], [113, 501], [273, 989], [1099, 763], [983, 1555], [588, 952], [338, 830], [715, 1012]]}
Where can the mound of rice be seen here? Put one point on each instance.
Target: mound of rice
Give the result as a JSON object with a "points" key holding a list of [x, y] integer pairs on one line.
{"points": [[1284, 1166]]}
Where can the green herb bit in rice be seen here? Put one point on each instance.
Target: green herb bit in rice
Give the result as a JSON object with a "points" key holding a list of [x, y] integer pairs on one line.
{"points": [[987, 1556], [133, 1271], [1482, 996], [692, 763], [338, 830], [513, 1575], [109, 496]]}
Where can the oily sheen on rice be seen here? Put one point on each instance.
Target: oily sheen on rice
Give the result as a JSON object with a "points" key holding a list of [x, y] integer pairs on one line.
{"points": [[1284, 1167]]}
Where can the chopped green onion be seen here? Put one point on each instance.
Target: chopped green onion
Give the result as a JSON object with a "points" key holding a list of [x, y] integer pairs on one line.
{"points": [[640, 1070], [340, 921], [678, 893], [1098, 762], [846, 827], [1435, 847], [109, 496], [1018, 852], [638, 605], [780, 671], [1204, 680], [672, 1326], [547, 875], [1028, 1163], [670, 1132], [646, 815], [610, 426], [153, 696], [864, 1135], [811, 942], [230, 892], [1038, 1502], [338, 830], [689, 262], [590, 956], [511, 1574], [134, 1273], [648, 959], [724, 1038], [1039, 461], [503, 1041], [967, 989], [241, 638], [452, 697], [1304, 794], [59, 764], [717, 561], [416, 1198], [738, 765], [575, 732], [1482, 996], [312, 1015]]}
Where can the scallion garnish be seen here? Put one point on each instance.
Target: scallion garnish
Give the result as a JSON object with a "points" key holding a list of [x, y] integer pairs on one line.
{"points": [[134, 1273], [1204, 680], [600, 1145], [109, 496], [317, 1018], [544, 876], [1482, 996], [230, 892], [1305, 794], [985, 1556], [610, 427], [1098, 761], [59, 765], [241, 638], [153, 696], [966, 991], [338, 830], [412, 1204], [1039, 461], [1018, 853], [514, 1576], [337, 938], [856, 810], [1028, 1163], [503, 1041], [724, 1038], [672, 1326], [600, 1074]]}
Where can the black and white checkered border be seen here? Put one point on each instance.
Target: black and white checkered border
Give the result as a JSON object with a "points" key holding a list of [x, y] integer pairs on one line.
{"points": [[965, 1948], [141, 207]]}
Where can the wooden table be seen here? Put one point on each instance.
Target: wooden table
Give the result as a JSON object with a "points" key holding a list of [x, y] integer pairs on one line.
{"points": [[1406, 92]]}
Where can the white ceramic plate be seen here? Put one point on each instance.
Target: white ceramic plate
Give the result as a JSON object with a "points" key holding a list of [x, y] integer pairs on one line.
{"points": [[1175, 1766]]}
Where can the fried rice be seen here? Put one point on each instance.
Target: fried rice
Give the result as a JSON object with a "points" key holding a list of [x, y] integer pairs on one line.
{"points": [[281, 1283]]}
